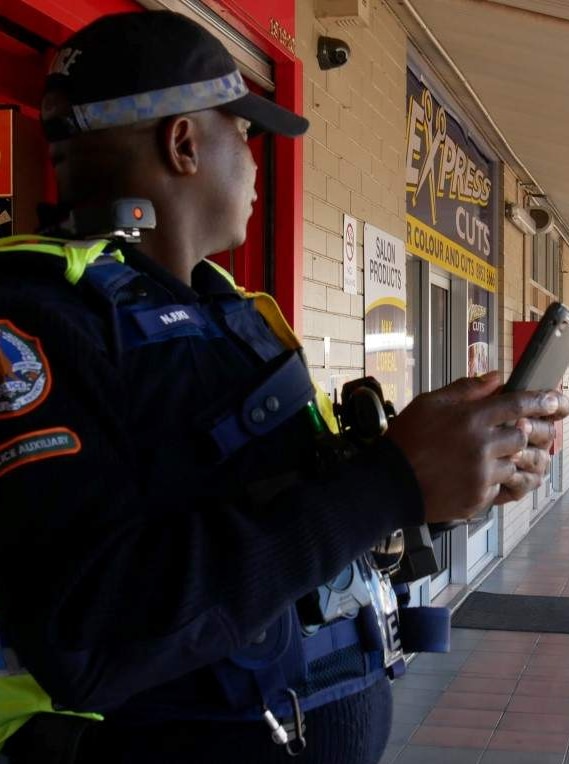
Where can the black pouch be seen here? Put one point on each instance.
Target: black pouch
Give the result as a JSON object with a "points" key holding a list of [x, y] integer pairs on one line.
{"points": [[47, 739]]}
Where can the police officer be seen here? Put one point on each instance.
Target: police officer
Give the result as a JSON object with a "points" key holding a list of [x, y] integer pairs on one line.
{"points": [[164, 502]]}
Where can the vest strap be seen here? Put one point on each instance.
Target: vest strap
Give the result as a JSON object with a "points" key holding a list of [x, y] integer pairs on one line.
{"points": [[281, 395], [107, 276]]}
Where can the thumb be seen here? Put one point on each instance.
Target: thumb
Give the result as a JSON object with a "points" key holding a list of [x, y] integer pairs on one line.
{"points": [[472, 388]]}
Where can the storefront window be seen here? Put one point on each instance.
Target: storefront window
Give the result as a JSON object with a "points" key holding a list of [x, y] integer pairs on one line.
{"points": [[413, 320], [545, 261], [451, 241]]}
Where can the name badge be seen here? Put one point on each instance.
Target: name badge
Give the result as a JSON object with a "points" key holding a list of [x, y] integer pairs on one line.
{"points": [[169, 319], [384, 602]]}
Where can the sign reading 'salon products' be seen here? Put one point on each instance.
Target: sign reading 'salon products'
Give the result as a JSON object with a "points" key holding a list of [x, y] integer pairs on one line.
{"points": [[450, 194], [385, 327]]}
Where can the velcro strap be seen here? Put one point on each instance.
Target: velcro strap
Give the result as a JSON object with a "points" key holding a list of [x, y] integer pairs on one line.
{"points": [[425, 629], [329, 639], [281, 395], [108, 277]]}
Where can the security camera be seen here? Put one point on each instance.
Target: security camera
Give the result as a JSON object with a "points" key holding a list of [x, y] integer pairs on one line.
{"points": [[332, 52], [542, 218]]}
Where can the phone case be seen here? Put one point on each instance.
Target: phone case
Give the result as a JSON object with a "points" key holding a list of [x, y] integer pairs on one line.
{"points": [[546, 356]]}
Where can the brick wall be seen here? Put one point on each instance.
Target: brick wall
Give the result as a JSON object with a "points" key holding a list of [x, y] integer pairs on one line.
{"points": [[354, 158], [354, 163]]}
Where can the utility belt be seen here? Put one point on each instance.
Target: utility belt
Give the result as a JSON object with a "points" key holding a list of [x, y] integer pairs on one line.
{"points": [[273, 678]]}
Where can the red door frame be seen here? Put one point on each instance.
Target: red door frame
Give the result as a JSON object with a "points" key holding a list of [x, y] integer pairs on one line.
{"points": [[54, 20], [255, 19]]}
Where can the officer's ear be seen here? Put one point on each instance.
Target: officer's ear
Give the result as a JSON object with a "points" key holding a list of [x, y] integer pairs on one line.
{"points": [[179, 144]]}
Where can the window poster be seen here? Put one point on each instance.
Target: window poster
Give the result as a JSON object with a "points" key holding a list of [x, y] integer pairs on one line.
{"points": [[478, 346], [385, 303]]}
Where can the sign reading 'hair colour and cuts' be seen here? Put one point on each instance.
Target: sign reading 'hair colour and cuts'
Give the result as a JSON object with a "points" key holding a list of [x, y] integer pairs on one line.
{"points": [[385, 303], [450, 194]]}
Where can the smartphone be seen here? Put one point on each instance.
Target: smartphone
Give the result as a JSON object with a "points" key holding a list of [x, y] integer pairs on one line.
{"points": [[546, 356]]}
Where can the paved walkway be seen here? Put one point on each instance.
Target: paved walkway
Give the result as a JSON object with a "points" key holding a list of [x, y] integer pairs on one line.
{"points": [[499, 697]]}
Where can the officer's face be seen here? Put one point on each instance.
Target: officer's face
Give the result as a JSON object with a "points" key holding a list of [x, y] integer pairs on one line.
{"points": [[227, 181]]}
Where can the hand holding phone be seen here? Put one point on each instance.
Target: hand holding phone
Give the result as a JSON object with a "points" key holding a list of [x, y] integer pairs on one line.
{"points": [[540, 367], [546, 356]]}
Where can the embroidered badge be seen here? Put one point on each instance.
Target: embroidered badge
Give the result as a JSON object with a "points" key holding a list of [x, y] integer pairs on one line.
{"points": [[34, 446], [25, 378]]}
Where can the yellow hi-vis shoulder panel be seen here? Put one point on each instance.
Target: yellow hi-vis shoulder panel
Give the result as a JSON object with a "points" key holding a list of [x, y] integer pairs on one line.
{"points": [[78, 254], [269, 309], [20, 698], [272, 314]]}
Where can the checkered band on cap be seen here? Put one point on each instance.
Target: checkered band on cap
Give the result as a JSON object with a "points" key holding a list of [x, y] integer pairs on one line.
{"points": [[179, 99]]}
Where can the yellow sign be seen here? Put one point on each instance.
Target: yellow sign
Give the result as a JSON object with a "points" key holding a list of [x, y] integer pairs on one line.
{"points": [[442, 251]]}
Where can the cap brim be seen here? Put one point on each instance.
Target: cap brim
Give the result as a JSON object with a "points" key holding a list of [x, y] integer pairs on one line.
{"points": [[266, 116]]}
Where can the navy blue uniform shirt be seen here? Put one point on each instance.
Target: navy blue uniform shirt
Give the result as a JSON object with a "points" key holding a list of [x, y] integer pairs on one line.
{"points": [[129, 559]]}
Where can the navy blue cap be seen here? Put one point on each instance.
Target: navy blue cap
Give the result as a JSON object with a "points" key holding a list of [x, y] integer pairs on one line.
{"points": [[127, 67]]}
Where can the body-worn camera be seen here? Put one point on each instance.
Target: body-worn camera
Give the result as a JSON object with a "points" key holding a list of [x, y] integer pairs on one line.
{"points": [[121, 219]]}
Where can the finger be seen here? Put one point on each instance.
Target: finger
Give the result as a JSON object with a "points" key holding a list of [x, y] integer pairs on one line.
{"points": [[510, 407], [532, 460], [540, 432], [563, 409], [518, 486], [507, 440], [471, 388], [501, 471]]}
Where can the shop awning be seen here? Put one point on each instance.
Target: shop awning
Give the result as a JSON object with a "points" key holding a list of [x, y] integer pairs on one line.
{"points": [[506, 60]]}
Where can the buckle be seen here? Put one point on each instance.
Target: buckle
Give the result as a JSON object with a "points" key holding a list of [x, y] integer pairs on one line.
{"points": [[291, 731]]}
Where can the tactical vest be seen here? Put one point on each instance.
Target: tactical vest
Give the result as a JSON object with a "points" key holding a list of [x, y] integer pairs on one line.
{"points": [[270, 678]]}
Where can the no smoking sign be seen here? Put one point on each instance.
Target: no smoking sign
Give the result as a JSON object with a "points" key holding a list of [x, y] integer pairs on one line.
{"points": [[349, 255]]}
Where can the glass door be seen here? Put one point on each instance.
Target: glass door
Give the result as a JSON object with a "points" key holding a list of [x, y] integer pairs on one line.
{"points": [[440, 375], [440, 332]]}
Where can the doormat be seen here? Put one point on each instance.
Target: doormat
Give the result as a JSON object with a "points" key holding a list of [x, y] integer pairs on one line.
{"points": [[513, 612]]}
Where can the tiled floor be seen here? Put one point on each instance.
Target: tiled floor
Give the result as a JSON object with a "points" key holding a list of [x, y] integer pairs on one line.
{"points": [[499, 697]]}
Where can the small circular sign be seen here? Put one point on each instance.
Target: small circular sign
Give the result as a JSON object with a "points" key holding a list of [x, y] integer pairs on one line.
{"points": [[350, 244]]}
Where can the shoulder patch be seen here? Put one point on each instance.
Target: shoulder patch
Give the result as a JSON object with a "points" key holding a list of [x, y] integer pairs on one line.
{"points": [[25, 377], [34, 446]]}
